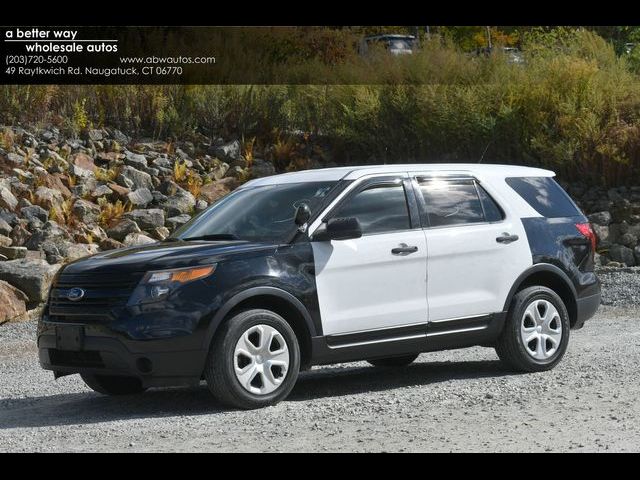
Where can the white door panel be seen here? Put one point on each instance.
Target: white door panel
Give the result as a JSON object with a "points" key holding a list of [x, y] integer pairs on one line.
{"points": [[469, 273], [363, 286]]}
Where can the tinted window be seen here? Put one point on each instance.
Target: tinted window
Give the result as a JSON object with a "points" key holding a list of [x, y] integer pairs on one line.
{"points": [[492, 212], [379, 208], [544, 195], [257, 214], [451, 202]]}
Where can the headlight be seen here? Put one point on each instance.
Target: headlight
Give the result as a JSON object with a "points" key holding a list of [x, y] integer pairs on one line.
{"points": [[159, 284]]}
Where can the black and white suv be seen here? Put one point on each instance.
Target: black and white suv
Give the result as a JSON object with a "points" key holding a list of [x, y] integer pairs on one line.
{"points": [[377, 263]]}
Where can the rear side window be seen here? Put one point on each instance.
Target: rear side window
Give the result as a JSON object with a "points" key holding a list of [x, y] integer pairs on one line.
{"points": [[379, 208], [544, 195], [456, 202]]}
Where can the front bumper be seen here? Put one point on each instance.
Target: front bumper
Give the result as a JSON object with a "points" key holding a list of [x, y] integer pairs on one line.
{"points": [[159, 362]]}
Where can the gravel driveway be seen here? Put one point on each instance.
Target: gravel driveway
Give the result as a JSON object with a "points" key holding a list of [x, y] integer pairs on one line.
{"points": [[459, 400]]}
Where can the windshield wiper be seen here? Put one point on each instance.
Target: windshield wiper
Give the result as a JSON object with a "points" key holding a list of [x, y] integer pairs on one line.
{"points": [[213, 236]]}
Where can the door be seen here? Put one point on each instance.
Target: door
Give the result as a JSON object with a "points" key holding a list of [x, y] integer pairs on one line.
{"points": [[379, 280], [477, 249]]}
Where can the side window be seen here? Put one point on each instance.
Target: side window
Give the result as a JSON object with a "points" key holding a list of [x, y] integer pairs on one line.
{"points": [[451, 201], [492, 212], [379, 208], [544, 195]]}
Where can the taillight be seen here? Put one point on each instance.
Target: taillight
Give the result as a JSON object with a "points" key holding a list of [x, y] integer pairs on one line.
{"points": [[586, 230]]}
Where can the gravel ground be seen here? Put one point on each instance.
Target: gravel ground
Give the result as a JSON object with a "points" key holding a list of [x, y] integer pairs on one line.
{"points": [[460, 400]]}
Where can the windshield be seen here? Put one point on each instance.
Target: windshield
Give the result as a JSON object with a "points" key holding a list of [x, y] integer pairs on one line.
{"points": [[263, 213]]}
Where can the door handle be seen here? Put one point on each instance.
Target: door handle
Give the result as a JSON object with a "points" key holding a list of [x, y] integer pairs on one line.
{"points": [[404, 249], [507, 238]]}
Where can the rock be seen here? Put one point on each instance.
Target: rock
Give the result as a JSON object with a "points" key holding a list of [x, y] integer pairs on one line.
{"points": [[181, 202], [136, 178], [136, 239], [76, 251], [228, 151], [14, 252], [54, 182], [83, 162], [119, 190], [35, 212], [622, 254], [110, 244], [123, 228], [147, 219], [7, 199], [636, 253], [101, 191], [602, 234], [140, 197], [201, 205], [600, 218], [236, 172], [5, 241], [177, 221], [19, 235], [220, 170], [13, 302], [48, 197], [33, 277], [621, 211], [162, 163], [135, 160], [5, 228], [262, 168], [85, 211], [214, 190], [628, 240], [94, 134], [160, 233]]}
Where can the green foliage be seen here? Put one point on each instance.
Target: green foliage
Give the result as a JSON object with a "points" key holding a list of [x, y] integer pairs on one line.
{"points": [[574, 106]]}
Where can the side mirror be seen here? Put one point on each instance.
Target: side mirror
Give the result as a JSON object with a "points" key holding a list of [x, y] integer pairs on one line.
{"points": [[338, 229], [303, 214]]}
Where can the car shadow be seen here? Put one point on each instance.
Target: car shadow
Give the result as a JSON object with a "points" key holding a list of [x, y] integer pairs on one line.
{"points": [[89, 407]]}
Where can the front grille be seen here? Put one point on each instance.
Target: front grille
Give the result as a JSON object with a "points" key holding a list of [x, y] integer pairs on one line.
{"points": [[105, 296], [63, 358]]}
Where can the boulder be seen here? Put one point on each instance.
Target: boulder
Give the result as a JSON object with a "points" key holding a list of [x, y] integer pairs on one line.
{"points": [[85, 211], [79, 250], [5, 241], [130, 177], [83, 162], [13, 252], [101, 191], [227, 152], [214, 190], [622, 254], [48, 197], [19, 234], [147, 219], [5, 228], [135, 160], [262, 168], [137, 239], [34, 212], [140, 197], [177, 221], [160, 233], [50, 232], [181, 202], [110, 244], [123, 228], [7, 199], [13, 302], [600, 218], [33, 277]]}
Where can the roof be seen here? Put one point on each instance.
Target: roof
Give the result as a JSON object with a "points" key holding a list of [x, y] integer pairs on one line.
{"points": [[354, 172]]}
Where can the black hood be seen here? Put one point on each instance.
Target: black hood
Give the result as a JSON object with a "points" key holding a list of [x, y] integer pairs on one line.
{"points": [[165, 255]]}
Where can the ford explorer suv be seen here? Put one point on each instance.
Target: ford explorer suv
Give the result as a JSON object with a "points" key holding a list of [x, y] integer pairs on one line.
{"points": [[376, 263]]}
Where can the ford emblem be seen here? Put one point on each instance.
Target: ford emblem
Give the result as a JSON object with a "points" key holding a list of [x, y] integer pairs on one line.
{"points": [[75, 294]]}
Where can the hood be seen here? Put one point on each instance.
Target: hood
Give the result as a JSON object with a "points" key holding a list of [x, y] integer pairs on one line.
{"points": [[165, 255]]}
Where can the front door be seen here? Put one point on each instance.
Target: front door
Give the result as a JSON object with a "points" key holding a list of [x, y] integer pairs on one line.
{"points": [[377, 281]]}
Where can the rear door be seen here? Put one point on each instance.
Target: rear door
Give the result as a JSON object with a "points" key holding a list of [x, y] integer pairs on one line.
{"points": [[477, 249], [377, 281]]}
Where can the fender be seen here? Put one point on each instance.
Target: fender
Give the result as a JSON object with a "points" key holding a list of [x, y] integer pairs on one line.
{"points": [[539, 267], [254, 292]]}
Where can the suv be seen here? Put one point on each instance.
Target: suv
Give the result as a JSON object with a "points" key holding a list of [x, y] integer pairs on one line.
{"points": [[377, 263]]}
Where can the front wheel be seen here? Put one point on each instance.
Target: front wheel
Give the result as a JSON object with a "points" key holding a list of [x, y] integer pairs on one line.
{"points": [[254, 360], [113, 385], [536, 333]]}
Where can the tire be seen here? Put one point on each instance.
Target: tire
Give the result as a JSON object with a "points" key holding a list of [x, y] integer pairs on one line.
{"points": [[244, 369], [393, 361], [546, 347], [113, 385]]}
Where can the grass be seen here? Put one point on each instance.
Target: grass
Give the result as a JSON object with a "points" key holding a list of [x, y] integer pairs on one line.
{"points": [[110, 212]]}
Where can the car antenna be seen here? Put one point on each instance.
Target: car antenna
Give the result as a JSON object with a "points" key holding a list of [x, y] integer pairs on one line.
{"points": [[485, 151]]}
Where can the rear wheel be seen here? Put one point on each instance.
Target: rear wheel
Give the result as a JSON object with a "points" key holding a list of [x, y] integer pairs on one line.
{"points": [[536, 333], [113, 385], [393, 361], [254, 360]]}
